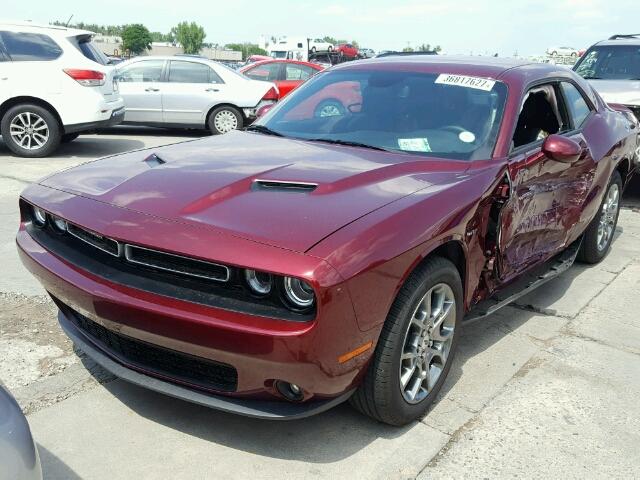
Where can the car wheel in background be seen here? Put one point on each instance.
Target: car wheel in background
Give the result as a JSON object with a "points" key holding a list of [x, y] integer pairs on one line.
{"points": [[313, 49], [30, 131], [416, 346], [599, 234], [329, 108], [69, 137], [554, 53], [224, 119], [574, 54], [329, 48]]}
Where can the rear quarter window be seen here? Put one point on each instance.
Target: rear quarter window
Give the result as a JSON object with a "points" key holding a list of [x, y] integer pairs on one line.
{"points": [[30, 47]]}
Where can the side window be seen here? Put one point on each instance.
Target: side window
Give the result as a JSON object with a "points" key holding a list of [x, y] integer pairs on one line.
{"points": [[576, 105], [23, 47], [539, 117], [144, 71], [268, 72], [189, 72], [298, 72]]}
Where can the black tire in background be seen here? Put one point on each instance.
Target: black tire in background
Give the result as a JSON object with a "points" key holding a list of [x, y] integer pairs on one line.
{"points": [[594, 247], [225, 112], [381, 395], [32, 116]]}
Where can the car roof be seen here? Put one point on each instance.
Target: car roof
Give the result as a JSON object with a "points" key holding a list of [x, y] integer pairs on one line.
{"points": [[630, 40], [492, 67], [282, 60], [49, 29]]}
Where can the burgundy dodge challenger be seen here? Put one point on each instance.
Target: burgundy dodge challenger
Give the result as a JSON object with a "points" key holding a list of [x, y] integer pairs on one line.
{"points": [[332, 254]]}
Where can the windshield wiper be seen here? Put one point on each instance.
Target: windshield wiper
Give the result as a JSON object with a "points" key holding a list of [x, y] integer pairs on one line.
{"points": [[592, 78], [263, 129], [347, 143]]}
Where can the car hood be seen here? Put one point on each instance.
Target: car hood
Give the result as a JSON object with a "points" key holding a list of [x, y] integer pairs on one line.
{"points": [[625, 92], [216, 182]]}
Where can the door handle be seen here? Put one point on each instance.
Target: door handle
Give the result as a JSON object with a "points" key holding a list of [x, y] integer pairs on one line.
{"points": [[212, 90], [151, 89]]}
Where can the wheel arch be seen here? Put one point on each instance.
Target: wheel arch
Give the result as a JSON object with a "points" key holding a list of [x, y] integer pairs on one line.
{"points": [[623, 168], [25, 99], [223, 104]]}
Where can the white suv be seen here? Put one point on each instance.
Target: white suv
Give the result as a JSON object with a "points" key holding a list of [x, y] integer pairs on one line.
{"points": [[54, 84]]}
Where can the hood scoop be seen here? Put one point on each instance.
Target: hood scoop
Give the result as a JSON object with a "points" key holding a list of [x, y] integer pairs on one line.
{"points": [[154, 160], [283, 186]]}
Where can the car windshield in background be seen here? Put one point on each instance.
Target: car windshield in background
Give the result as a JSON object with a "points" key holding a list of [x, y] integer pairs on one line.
{"points": [[441, 115], [610, 62]]}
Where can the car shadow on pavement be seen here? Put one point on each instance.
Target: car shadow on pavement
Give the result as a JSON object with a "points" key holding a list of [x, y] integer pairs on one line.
{"points": [[53, 467], [325, 438]]}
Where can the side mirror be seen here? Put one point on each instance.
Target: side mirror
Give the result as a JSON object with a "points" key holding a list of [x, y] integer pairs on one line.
{"points": [[561, 149], [262, 111]]}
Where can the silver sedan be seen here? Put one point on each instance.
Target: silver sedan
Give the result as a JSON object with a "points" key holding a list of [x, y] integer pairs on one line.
{"points": [[190, 92]]}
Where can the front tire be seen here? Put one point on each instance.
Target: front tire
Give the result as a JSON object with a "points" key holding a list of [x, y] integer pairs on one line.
{"points": [[599, 234], [416, 346], [225, 119], [30, 131]]}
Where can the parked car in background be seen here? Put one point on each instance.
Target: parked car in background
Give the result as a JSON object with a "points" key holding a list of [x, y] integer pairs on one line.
{"points": [[19, 459], [319, 45], [54, 85], [366, 53], [562, 51], [278, 271], [190, 92], [613, 68], [347, 50], [286, 74], [255, 58]]}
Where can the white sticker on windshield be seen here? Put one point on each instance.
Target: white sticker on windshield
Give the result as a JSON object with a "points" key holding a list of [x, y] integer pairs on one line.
{"points": [[464, 81], [467, 137], [414, 144]]}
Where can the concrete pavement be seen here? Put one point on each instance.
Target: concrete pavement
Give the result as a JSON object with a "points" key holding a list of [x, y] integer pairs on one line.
{"points": [[544, 388]]}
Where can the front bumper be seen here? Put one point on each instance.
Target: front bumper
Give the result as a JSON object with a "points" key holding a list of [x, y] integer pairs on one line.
{"points": [[270, 410]]}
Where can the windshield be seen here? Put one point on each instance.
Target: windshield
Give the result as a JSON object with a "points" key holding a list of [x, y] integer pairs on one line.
{"points": [[427, 114], [610, 62]]}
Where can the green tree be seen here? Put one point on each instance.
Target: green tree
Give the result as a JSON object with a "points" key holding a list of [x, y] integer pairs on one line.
{"points": [[190, 36], [163, 37], [136, 38], [247, 49], [407, 49]]}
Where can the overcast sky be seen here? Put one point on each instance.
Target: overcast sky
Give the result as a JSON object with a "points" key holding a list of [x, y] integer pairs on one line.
{"points": [[463, 26]]}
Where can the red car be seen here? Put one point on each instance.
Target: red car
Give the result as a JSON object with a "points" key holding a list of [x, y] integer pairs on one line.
{"points": [[286, 74], [278, 271], [347, 50]]}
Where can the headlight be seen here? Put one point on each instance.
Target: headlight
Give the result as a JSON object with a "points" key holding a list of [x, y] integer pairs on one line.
{"points": [[59, 224], [39, 216], [260, 283], [298, 292]]}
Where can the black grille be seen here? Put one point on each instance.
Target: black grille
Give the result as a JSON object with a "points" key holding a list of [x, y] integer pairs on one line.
{"points": [[103, 243], [162, 361]]}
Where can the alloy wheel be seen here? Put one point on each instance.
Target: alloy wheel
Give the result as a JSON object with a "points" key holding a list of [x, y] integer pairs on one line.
{"points": [[225, 121], [608, 216], [29, 130], [427, 343]]}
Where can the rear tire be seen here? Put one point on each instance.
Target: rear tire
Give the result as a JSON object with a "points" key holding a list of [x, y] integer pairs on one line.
{"points": [[385, 393], [31, 131], [599, 234], [225, 119]]}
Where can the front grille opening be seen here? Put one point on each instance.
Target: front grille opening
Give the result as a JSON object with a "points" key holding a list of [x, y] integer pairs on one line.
{"points": [[176, 263], [103, 243], [178, 366]]}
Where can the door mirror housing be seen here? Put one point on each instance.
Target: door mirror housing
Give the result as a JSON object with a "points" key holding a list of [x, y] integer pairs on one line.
{"points": [[561, 149]]}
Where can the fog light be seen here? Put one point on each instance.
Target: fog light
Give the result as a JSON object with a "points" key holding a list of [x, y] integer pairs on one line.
{"points": [[59, 224], [39, 216], [259, 282], [290, 391], [298, 292]]}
